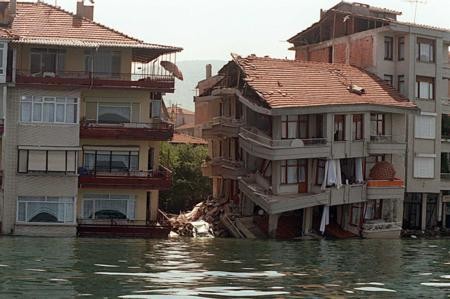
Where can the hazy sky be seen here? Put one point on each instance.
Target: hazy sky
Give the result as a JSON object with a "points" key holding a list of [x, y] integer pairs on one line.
{"points": [[212, 29]]}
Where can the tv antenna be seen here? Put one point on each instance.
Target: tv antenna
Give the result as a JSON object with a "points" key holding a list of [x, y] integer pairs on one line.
{"points": [[416, 4]]}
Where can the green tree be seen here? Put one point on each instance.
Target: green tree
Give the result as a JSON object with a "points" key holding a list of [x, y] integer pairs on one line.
{"points": [[189, 187]]}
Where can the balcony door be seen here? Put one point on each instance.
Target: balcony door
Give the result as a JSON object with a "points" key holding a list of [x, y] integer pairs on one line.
{"points": [[302, 176]]}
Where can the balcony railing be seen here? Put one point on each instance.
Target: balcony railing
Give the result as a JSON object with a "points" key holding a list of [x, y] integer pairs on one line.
{"points": [[387, 139], [160, 131], [98, 79], [160, 179], [258, 136]]}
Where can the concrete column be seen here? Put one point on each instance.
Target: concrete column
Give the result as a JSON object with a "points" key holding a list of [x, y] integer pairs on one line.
{"points": [[307, 220], [273, 225], [276, 177], [423, 224], [329, 128], [439, 208]]}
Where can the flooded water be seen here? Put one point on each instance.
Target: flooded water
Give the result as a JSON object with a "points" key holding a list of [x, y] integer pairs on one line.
{"points": [[223, 268]]}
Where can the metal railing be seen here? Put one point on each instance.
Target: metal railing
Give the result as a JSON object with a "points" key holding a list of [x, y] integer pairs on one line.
{"points": [[161, 172], [131, 125], [95, 75], [260, 137], [387, 139]]}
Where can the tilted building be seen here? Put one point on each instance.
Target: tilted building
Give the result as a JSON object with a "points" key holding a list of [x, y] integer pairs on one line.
{"points": [[301, 147], [414, 59], [82, 123]]}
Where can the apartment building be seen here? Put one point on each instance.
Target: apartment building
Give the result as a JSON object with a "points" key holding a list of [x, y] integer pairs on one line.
{"points": [[83, 120], [413, 59], [305, 147]]}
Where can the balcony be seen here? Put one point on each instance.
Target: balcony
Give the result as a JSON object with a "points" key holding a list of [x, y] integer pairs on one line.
{"points": [[127, 131], [121, 228], [387, 144], [223, 167], [385, 189], [261, 145], [222, 126], [163, 83], [160, 179], [274, 204]]}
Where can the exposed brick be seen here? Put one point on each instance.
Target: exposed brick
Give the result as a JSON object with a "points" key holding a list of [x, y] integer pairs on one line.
{"points": [[301, 55], [361, 52], [340, 53], [319, 55]]}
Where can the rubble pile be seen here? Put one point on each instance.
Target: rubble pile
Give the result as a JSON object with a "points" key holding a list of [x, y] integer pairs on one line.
{"points": [[209, 211]]}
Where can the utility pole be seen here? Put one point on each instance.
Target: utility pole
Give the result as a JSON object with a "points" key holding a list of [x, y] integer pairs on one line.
{"points": [[416, 4]]}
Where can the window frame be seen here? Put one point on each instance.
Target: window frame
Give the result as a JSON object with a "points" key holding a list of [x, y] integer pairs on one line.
{"points": [[401, 88], [47, 199], [358, 134], [430, 43], [431, 82], [111, 169], [388, 48], [339, 119], [389, 79], [417, 175], [42, 101], [284, 167], [378, 118], [46, 170], [401, 48]]}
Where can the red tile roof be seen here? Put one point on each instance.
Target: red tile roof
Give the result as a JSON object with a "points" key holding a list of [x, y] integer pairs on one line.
{"points": [[288, 83], [187, 139], [40, 21]]}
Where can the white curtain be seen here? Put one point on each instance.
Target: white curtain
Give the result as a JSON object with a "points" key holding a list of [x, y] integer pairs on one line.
{"points": [[325, 219], [359, 170], [332, 174]]}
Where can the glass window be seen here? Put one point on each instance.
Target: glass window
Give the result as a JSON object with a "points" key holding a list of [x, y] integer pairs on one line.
{"points": [[47, 62], [155, 108], [111, 113], [102, 63], [47, 161], [424, 167], [106, 206], [320, 174], [40, 209], [389, 79], [425, 88], [111, 161], [377, 121], [49, 110], [401, 48], [425, 50], [425, 126], [339, 127], [357, 130], [401, 85], [388, 47]]}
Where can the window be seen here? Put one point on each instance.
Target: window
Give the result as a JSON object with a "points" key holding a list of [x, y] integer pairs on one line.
{"points": [[155, 109], [424, 167], [289, 126], [374, 209], [47, 161], [112, 113], [377, 121], [425, 88], [47, 62], [388, 47], [3, 61], [111, 161], [108, 206], [355, 214], [389, 79], [425, 126], [293, 171], [48, 110], [401, 84], [42, 209], [320, 173], [401, 48], [358, 125], [339, 127], [102, 63], [425, 50]]}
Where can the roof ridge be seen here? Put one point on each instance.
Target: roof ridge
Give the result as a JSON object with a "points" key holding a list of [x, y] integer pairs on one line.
{"points": [[83, 18], [295, 61]]}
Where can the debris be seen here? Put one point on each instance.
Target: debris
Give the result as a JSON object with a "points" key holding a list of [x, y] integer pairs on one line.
{"points": [[203, 220]]}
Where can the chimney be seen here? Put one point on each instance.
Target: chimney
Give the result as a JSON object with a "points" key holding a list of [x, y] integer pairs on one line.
{"points": [[12, 8], [85, 11], [208, 71]]}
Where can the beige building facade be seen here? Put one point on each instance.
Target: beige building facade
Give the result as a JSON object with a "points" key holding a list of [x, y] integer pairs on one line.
{"points": [[83, 119]]}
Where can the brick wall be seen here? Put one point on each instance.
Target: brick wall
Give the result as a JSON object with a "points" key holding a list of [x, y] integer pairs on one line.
{"points": [[340, 53], [319, 55], [361, 52]]}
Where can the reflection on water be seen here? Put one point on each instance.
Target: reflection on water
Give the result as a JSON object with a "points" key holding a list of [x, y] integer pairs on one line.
{"points": [[214, 268]]}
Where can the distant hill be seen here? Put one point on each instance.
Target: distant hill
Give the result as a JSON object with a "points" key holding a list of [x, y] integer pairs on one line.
{"points": [[193, 71]]}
